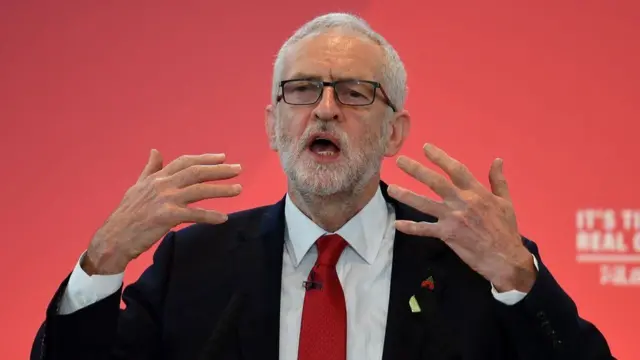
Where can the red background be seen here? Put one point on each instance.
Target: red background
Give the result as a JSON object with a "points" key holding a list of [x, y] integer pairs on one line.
{"points": [[88, 87]]}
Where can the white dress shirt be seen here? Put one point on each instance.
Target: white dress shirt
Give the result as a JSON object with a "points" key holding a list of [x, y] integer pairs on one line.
{"points": [[364, 269]]}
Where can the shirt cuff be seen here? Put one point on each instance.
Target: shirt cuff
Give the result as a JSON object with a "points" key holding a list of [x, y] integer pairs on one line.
{"points": [[84, 290], [511, 297]]}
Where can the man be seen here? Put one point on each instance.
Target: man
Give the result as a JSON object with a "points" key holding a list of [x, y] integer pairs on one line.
{"points": [[344, 266]]}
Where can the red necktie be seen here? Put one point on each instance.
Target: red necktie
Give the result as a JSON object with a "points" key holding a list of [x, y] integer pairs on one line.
{"points": [[323, 331]]}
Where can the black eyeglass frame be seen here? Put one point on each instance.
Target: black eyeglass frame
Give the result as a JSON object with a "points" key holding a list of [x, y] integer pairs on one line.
{"points": [[376, 86]]}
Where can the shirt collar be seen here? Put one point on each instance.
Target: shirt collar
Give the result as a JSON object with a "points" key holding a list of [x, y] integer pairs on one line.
{"points": [[363, 232]]}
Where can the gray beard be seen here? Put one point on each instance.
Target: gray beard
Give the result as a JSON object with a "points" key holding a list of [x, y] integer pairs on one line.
{"points": [[311, 179]]}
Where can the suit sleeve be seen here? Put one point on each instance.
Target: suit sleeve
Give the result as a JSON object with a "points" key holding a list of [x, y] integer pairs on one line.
{"points": [[546, 324], [103, 331]]}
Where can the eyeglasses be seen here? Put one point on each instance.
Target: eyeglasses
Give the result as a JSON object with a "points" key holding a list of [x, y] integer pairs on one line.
{"points": [[347, 92]]}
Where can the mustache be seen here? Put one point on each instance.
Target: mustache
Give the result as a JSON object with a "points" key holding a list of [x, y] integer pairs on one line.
{"points": [[328, 128]]}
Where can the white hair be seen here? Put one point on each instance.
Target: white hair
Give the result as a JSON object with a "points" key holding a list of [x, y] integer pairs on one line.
{"points": [[394, 75]]}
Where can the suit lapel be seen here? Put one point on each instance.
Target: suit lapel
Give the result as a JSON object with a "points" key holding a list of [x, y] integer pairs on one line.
{"points": [[261, 262], [411, 335]]}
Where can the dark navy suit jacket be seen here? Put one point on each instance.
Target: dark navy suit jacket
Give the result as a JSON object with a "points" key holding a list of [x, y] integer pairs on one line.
{"points": [[213, 292]]}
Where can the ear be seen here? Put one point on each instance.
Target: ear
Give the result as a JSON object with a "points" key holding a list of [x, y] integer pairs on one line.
{"points": [[270, 125], [398, 132]]}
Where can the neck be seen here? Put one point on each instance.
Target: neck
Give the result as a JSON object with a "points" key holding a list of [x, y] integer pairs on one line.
{"points": [[333, 211]]}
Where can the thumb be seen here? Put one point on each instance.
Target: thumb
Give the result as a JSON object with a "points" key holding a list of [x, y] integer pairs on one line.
{"points": [[154, 164], [498, 181]]}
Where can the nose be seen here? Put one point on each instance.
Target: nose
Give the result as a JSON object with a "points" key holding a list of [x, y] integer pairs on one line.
{"points": [[327, 108]]}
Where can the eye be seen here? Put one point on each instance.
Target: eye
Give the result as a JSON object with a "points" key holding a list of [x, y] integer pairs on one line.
{"points": [[300, 86], [355, 94]]}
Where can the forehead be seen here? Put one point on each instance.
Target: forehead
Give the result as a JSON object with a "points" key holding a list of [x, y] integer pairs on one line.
{"points": [[334, 56]]}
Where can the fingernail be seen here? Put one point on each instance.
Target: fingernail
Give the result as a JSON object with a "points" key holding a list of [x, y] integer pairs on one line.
{"points": [[236, 167]]}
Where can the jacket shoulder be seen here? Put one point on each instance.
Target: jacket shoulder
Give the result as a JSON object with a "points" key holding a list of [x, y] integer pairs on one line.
{"points": [[213, 238], [237, 221]]}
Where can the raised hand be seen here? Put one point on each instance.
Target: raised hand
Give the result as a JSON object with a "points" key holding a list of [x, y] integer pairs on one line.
{"points": [[478, 224], [157, 202]]}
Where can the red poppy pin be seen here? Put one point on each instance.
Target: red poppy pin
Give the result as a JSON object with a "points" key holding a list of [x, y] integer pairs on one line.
{"points": [[428, 283]]}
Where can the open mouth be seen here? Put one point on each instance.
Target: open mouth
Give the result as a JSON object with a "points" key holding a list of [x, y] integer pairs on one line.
{"points": [[324, 146]]}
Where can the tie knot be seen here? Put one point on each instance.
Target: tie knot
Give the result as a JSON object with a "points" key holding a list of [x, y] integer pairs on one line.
{"points": [[330, 247]]}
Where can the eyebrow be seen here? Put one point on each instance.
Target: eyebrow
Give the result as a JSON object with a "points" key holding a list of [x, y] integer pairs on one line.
{"points": [[304, 76]]}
